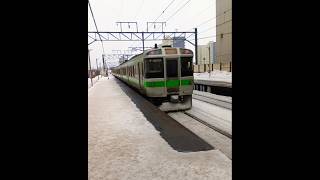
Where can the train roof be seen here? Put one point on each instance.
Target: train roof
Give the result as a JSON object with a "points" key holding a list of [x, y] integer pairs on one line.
{"points": [[148, 51]]}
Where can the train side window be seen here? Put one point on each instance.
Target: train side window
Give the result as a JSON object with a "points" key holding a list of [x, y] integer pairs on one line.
{"points": [[186, 66]]}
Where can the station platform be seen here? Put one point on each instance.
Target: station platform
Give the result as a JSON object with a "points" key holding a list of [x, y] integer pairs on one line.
{"points": [[213, 83], [214, 78], [129, 138]]}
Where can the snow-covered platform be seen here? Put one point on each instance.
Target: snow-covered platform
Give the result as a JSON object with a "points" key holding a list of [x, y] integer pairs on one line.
{"points": [[214, 78], [213, 83], [129, 139]]}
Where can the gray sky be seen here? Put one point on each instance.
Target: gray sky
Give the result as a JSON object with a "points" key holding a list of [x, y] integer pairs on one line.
{"points": [[108, 12]]}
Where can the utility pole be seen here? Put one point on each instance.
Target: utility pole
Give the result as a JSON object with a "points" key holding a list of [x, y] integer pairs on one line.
{"points": [[196, 44], [142, 42], [97, 67], [90, 67], [103, 62]]}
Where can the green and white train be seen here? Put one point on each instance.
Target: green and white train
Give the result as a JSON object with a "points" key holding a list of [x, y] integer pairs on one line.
{"points": [[164, 75]]}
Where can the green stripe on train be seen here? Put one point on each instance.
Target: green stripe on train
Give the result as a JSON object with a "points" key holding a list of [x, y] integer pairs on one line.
{"points": [[154, 84], [172, 83], [186, 82], [169, 83]]}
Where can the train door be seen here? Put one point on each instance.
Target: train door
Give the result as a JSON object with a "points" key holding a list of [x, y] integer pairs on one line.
{"points": [[172, 74], [140, 69], [172, 68]]}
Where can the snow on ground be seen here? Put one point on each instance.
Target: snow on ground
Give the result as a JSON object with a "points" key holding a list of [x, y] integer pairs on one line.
{"points": [[217, 116], [122, 144], [214, 75]]}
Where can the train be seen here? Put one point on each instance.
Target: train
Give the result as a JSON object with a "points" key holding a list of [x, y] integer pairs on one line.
{"points": [[163, 75]]}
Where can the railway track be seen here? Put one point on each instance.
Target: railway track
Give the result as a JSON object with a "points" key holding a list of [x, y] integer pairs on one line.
{"points": [[215, 136], [210, 119], [222, 101], [215, 128], [200, 112]]}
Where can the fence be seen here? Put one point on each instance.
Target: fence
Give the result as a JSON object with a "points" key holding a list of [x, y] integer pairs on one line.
{"points": [[93, 73], [210, 67]]}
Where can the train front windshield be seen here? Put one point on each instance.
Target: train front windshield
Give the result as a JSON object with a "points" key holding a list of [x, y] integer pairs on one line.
{"points": [[186, 66], [154, 68]]}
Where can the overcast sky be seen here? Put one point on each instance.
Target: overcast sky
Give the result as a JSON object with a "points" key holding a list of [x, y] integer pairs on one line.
{"points": [[108, 12]]}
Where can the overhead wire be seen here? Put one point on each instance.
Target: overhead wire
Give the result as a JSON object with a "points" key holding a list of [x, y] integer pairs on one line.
{"points": [[208, 29], [208, 20], [163, 11], [175, 12], [95, 23], [178, 10], [205, 37]]}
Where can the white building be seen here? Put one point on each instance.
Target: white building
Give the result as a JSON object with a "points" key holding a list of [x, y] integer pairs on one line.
{"points": [[178, 42], [224, 31], [203, 54], [206, 53], [167, 42]]}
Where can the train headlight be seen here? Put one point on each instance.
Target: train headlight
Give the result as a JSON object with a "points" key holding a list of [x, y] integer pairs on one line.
{"points": [[174, 98]]}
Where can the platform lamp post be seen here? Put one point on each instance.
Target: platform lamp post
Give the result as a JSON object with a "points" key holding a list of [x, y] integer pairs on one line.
{"points": [[90, 66]]}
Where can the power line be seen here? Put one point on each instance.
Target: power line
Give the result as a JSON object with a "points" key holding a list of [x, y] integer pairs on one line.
{"points": [[208, 29], [205, 37], [212, 36], [164, 10], [200, 12], [211, 18], [215, 26], [206, 21], [214, 17], [94, 20], [178, 10]]}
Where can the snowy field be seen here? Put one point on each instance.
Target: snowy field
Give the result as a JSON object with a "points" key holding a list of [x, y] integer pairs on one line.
{"points": [[215, 75], [123, 144]]}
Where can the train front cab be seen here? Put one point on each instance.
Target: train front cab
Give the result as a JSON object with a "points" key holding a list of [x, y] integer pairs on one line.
{"points": [[169, 77]]}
